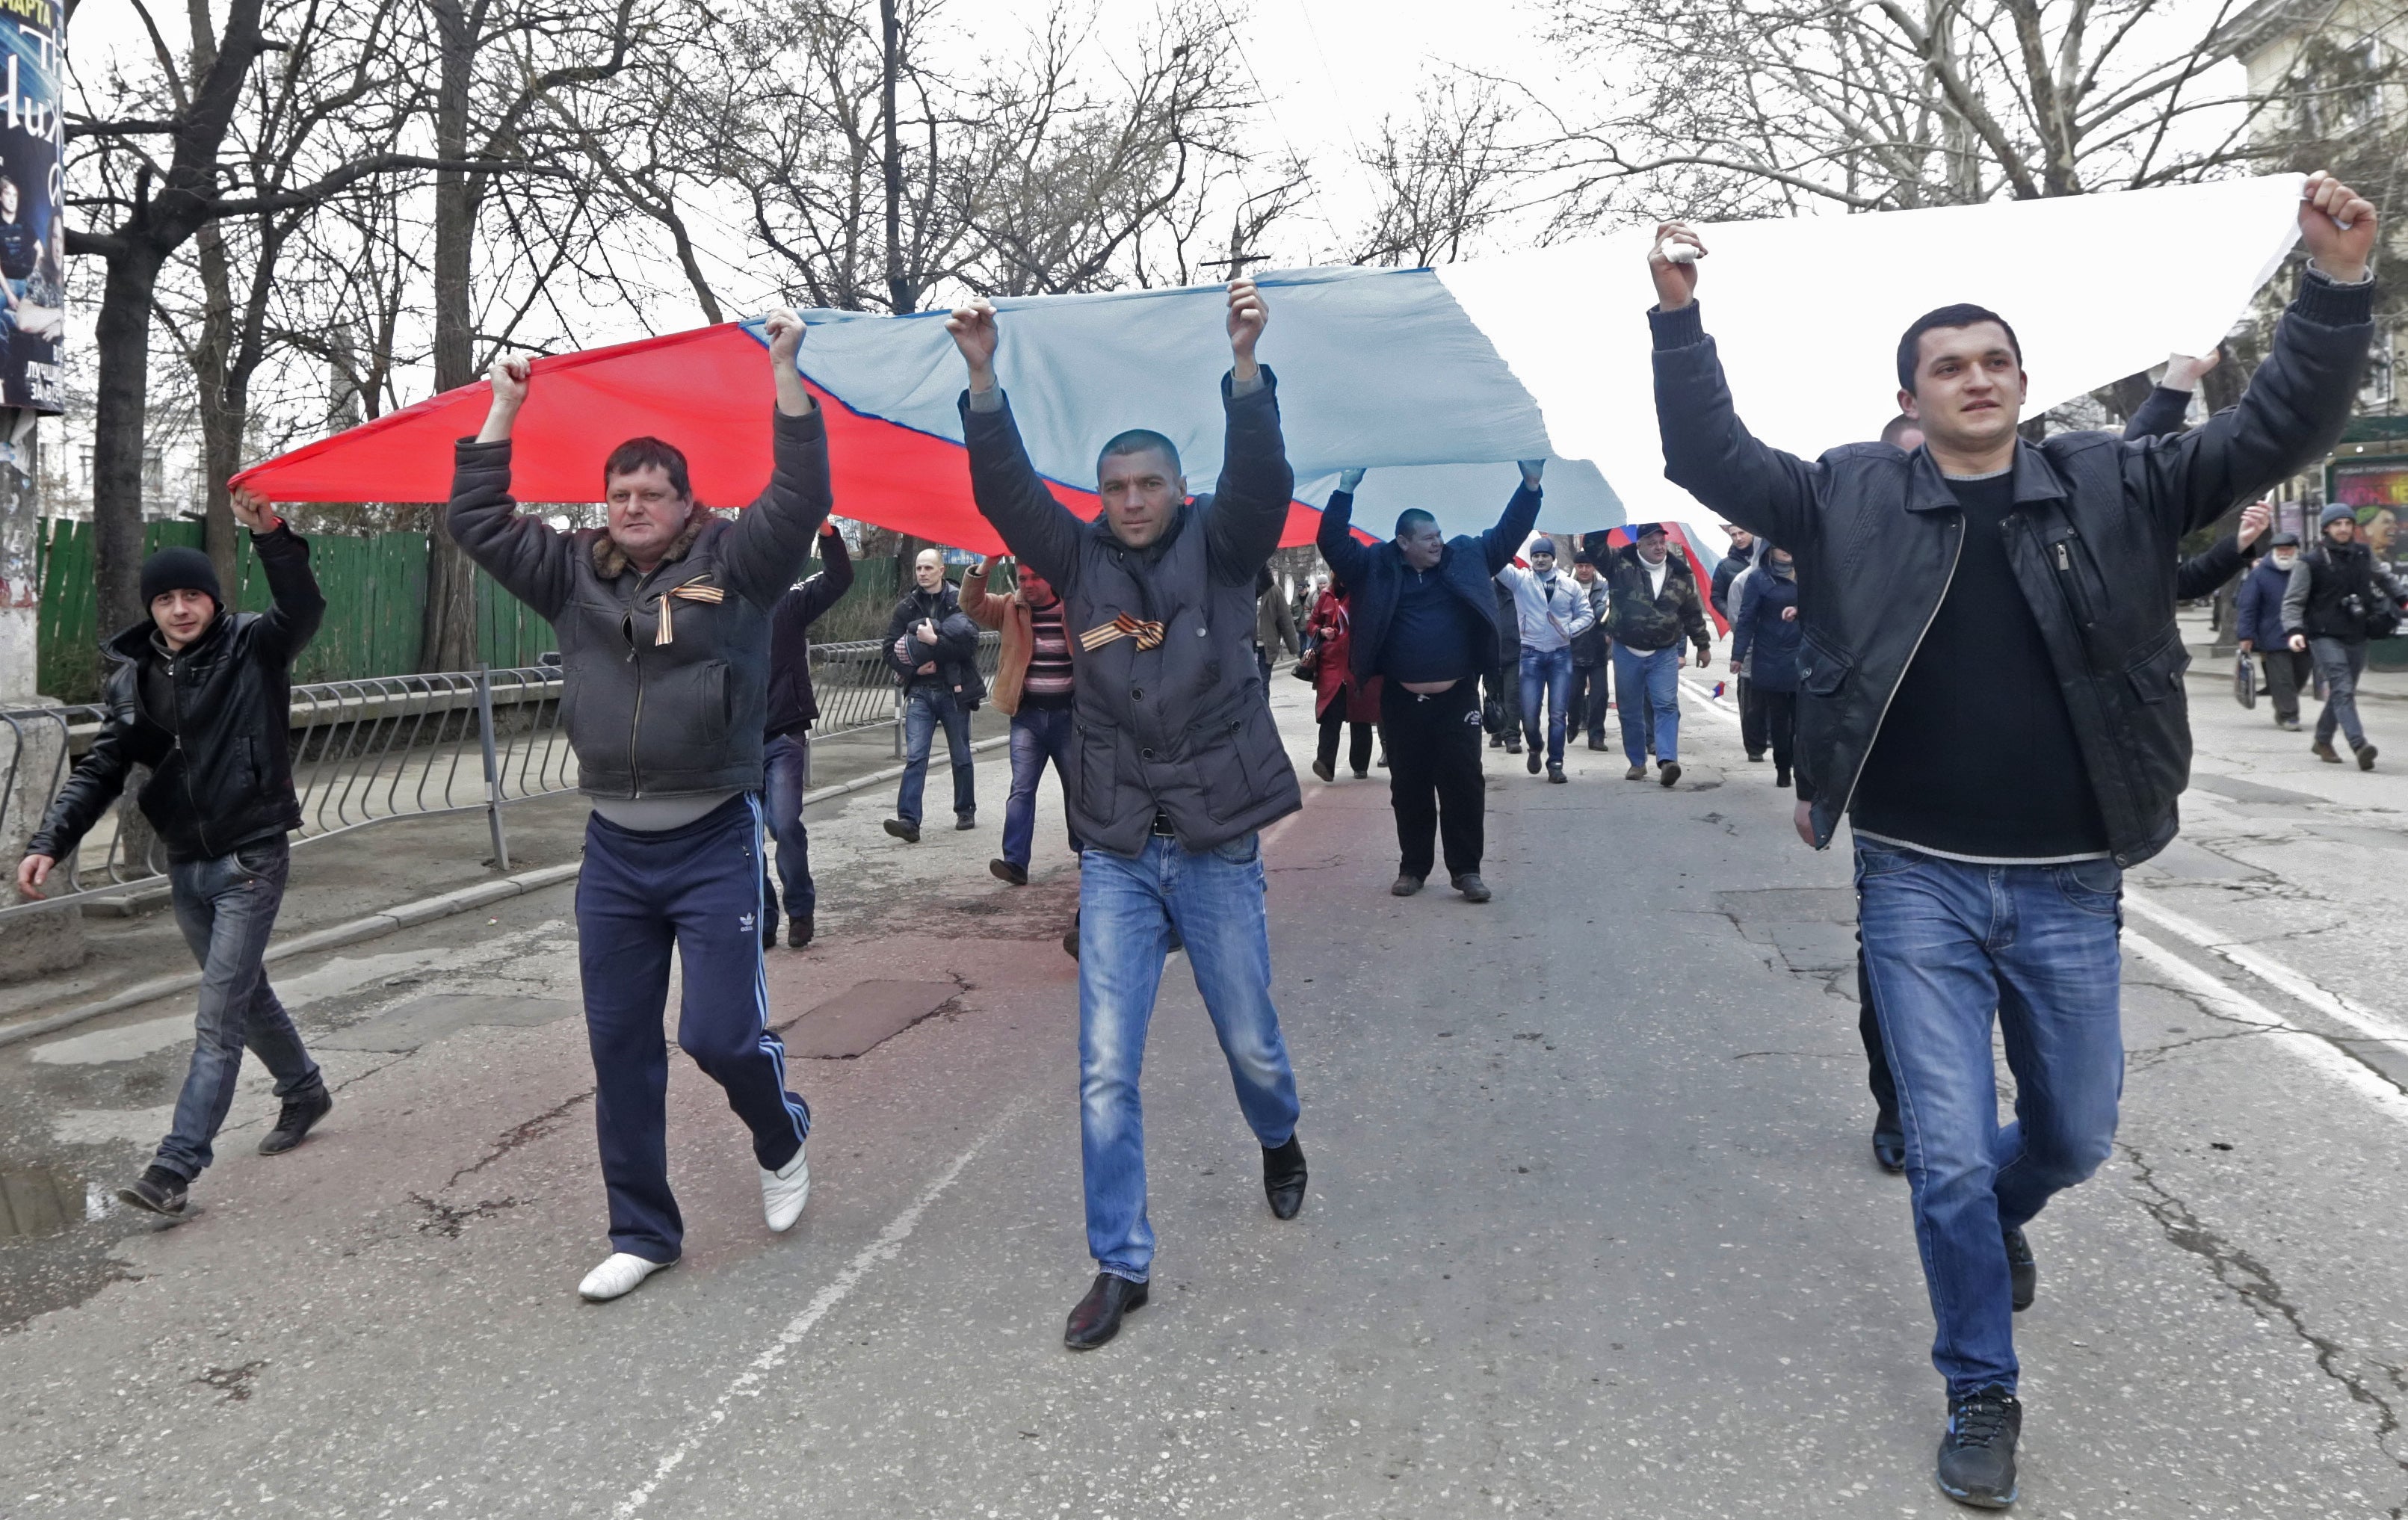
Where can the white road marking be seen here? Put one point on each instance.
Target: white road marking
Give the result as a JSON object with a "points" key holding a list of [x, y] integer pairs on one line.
{"points": [[2369, 1021], [2284, 1035], [888, 1245]]}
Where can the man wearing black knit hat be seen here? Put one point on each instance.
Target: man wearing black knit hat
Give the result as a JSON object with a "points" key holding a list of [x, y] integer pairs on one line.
{"points": [[202, 694]]}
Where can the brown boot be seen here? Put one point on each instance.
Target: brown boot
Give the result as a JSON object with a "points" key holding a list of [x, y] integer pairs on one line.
{"points": [[2323, 751]]}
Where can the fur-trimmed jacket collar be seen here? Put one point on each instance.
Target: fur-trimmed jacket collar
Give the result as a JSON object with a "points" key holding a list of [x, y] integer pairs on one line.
{"points": [[610, 561]]}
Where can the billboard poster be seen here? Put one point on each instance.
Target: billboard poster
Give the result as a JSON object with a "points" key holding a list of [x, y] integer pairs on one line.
{"points": [[2376, 490], [32, 235]]}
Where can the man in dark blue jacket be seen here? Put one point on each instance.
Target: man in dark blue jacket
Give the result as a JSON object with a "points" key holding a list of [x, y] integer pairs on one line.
{"points": [[201, 695], [2258, 622], [786, 748], [1998, 708], [1426, 617]]}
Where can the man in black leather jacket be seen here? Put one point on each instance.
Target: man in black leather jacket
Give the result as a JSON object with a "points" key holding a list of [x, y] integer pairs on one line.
{"points": [[932, 645], [1996, 702], [201, 695]]}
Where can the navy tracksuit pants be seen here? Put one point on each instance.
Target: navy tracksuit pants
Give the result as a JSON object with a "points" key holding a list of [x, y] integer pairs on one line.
{"points": [[697, 889]]}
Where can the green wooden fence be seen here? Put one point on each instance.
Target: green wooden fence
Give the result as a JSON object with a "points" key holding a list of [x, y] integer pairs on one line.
{"points": [[375, 598]]}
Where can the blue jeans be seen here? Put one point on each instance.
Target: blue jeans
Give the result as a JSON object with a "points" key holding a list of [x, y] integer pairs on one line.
{"points": [[1547, 673], [1945, 944], [1038, 735], [1126, 907], [786, 775], [227, 908], [1649, 682], [925, 707]]}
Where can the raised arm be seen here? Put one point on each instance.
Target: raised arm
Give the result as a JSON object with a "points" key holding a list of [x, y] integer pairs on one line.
{"points": [[772, 540], [2161, 415], [1707, 450], [532, 562], [1250, 501], [2200, 575], [1500, 544], [982, 608], [1347, 557], [298, 606], [2299, 398], [1009, 491], [827, 585]]}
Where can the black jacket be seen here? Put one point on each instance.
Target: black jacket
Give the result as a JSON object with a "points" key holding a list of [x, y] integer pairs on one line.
{"points": [[1180, 728], [2092, 541], [793, 706], [1718, 594], [2321, 583], [954, 652], [1468, 566], [1644, 620], [224, 776], [667, 671]]}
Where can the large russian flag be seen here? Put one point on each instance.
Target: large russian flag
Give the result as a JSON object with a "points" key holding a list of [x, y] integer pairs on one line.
{"points": [[1434, 379]]}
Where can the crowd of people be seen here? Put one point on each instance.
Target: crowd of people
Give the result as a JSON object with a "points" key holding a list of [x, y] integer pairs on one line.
{"points": [[1958, 638]]}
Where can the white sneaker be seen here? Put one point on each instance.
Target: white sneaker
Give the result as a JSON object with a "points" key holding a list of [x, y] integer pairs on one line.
{"points": [[618, 1275], [785, 1191]]}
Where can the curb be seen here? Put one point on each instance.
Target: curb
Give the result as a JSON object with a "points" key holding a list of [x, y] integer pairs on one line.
{"points": [[408, 915]]}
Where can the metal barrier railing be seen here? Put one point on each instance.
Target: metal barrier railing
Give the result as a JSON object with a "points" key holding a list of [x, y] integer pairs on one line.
{"points": [[387, 748]]}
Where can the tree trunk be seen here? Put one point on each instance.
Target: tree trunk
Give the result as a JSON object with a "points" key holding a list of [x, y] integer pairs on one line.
{"points": [[122, 346], [221, 411], [900, 295], [448, 636]]}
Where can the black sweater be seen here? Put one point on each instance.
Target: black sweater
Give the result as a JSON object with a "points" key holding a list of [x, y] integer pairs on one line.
{"points": [[792, 705]]}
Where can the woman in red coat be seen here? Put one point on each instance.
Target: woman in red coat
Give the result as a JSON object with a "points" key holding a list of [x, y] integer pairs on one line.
{"points": [[1338, 700]]}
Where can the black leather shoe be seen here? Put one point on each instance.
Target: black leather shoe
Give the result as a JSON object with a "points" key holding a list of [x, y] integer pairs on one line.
{"points": [[157, 1191], [798, 931], [1284, 1179], [768, 931], [1666, 772], [1977, 1455], [1070, 940], [2023, 1271], [965, 821], [1889, 1148], [292, 1124], [1405, 885], [1556, 774], [908, 833], [1097, 1318], [1473, 887], [1534, 762], [1004, 870]]}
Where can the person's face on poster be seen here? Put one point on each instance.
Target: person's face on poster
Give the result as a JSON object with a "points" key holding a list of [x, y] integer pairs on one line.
{"points": [[7, 199], [2381, 531]]}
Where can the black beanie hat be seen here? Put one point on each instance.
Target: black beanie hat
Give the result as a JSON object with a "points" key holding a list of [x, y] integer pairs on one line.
{"points": [[178, 569]]}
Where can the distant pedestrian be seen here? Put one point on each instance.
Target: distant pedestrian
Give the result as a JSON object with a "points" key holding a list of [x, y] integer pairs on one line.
{"points": [[1550, 609], [1424, 617], [1500, 709], [786, 749], [933, 646], [1341, 701], [1274, 626], [663, 622], [1765, 632], [1035, 685], [2338, 596], [1741, 558], [1592, 658], [2257, 623], [1654, 605], [200, 694]]}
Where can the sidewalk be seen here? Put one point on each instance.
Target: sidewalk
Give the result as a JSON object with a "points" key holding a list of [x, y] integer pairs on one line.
{"points": [[2373, 686], [370, 870]]}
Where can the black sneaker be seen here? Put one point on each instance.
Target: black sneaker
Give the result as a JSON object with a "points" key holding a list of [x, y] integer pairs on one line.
{"points": [[1473, 887], [1977, 1455], [1534, 762], [2022, 1272], [157, 1191], [965, 821], [798, 931], [293, 1126]]}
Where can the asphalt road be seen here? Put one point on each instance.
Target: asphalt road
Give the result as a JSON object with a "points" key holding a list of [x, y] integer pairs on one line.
{"points": [[1592, 1230]]}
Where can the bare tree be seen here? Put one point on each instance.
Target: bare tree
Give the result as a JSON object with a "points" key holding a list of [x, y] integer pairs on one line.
{"points": [[1444, 176]]}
